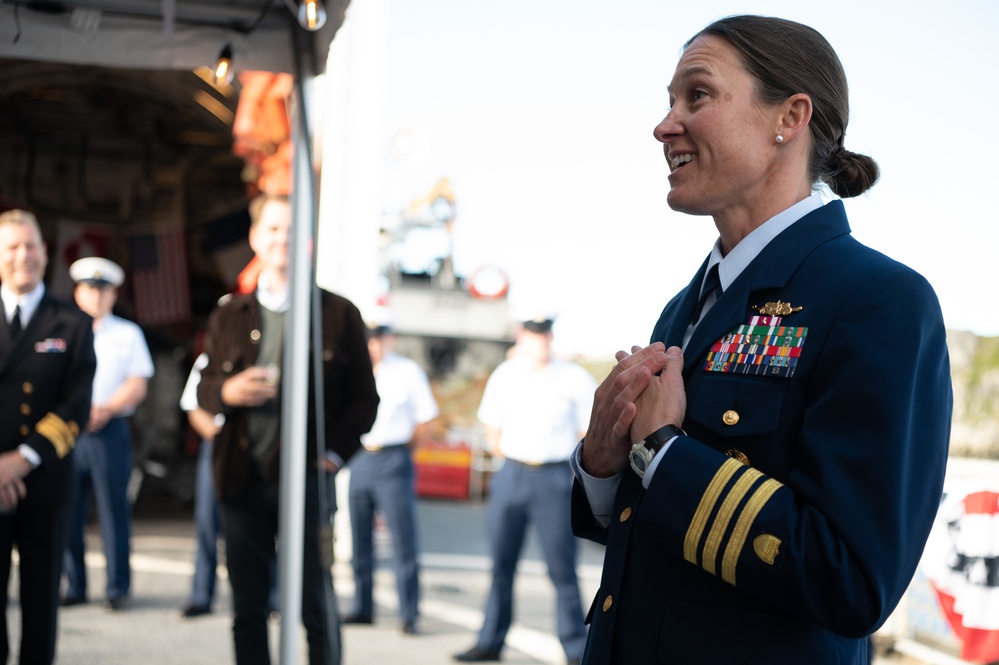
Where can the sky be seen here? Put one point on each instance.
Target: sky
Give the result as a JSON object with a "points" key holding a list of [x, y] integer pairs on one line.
{"points": [[541, 115]]}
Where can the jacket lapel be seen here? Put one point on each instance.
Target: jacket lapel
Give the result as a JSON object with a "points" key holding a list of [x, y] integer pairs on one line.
{"points": [[772, 269], [5, 345], [11, 350]]}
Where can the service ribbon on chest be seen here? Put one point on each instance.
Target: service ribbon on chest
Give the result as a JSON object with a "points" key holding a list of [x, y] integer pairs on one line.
{"points": [[762, 347]]}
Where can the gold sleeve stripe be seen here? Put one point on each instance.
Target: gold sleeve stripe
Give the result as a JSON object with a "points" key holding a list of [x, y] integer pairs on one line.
{"points": [[707, 504], [724, 517], [61, 434], [742, 526]]}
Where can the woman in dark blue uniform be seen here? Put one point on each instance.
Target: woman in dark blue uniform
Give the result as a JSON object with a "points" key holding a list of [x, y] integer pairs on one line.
{"points": [[766, 472]]}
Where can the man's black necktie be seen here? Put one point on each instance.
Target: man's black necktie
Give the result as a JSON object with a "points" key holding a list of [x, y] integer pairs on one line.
{"points": [[15, 322], [712, 284]]}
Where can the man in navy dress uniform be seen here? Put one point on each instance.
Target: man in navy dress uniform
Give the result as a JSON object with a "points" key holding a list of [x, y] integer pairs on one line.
{"points": [[47, 365]]}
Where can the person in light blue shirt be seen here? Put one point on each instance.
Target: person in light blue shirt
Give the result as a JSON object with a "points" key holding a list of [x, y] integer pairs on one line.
{"points": [[206, 511], [382, 477], [534, 408], [103, 459]]}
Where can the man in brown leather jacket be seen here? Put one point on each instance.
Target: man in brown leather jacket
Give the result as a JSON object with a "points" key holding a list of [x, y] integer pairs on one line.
{"points": [[244, 344]]}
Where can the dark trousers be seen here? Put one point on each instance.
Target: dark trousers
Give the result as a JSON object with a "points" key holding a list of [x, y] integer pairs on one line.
{"points": [[520, 494], [383, 480], [39, 532], [101, 465], [250, 526], [207, 530]]}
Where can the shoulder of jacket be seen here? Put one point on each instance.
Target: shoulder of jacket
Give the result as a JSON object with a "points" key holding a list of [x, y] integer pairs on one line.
{"points": [[63, 308], [236, 300], [333, 298], [335, 303]]}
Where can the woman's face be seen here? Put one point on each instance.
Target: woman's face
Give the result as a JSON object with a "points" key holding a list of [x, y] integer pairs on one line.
{"points": [[718, 138]]}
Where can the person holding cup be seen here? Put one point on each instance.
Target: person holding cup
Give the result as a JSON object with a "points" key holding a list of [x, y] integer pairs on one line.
{"points": [[244, 341]]}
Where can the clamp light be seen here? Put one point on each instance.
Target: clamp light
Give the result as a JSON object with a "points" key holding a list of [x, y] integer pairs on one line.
{"points": [[311, 14], [223, 68]]}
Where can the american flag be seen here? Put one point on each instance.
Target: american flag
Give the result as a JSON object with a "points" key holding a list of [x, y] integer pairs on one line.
{"points": [[159, 276]]}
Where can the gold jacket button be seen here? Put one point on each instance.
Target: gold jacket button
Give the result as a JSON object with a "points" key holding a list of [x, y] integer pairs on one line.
{"points": [[244, 443], [27, 388], [226, 366], [625, 514], [730, 417], [327, 355], [608, 603], [738, 456], [25, 410], [25, 430], [254, 336]]}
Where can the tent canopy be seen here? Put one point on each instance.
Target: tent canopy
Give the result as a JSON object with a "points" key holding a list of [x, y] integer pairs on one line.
{"points": [[107, 107], [164, 34]]}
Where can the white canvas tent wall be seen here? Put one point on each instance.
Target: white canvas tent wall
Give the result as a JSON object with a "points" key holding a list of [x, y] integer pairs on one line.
{"points": [[173, 34]]}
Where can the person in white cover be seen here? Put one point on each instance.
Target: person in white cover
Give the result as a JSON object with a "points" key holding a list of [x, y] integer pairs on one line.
{"points": [[382, 477], [206, 511], [535, 409], [103, 458]]}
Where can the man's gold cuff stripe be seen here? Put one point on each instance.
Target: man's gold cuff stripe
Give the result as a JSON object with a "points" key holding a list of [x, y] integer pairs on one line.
{"points": [[61, 434]]}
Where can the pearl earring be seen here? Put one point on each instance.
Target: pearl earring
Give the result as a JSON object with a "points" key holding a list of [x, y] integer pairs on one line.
{"points": [[780, 138]]}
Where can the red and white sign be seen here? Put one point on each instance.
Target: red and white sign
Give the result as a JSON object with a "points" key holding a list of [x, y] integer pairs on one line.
{"points": [[961, 561], [74, 240]]}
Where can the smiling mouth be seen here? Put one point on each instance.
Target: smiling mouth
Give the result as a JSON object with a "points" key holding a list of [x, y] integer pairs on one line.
{"points": [[679, 160]]}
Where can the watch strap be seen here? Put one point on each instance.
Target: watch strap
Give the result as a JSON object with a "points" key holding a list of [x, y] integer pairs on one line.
{"points": [[658, 439]]}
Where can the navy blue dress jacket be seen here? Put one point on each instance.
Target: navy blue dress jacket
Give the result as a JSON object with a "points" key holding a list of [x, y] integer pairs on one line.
{"points": [[46, 380], [786, 525]]}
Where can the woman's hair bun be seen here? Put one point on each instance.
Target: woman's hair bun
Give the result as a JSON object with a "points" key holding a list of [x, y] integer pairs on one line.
{"points": [[850, 174]]}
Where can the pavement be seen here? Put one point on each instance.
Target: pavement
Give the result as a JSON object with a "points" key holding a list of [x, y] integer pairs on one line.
{"points": [[455, 581]]}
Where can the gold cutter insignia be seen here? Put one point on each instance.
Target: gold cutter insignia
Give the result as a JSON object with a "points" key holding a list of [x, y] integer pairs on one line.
{"points": [[778, 308]]}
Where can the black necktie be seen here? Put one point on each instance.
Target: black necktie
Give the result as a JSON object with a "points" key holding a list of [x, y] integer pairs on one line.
{"points": [[15, 322], [712, 284]]}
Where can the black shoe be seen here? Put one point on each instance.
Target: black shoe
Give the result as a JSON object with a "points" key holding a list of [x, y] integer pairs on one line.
{"points": [[365, 619], [70, 601], [409, 628], [477, 655], [191, 611], [116, 604]]}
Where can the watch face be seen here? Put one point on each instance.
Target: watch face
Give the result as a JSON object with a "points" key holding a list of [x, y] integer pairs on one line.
{"points": [[640, 458]]}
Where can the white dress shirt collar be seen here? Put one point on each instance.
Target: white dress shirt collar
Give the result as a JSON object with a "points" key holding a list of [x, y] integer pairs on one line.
{"points": [[274, 301], [28, 302], [731, 266]]}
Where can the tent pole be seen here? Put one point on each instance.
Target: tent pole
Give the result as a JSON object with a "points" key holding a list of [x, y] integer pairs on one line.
{"points": [[294, 428]]}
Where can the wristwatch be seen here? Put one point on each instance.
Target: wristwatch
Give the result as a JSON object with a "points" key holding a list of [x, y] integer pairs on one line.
{"points": [[643, 452]]}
